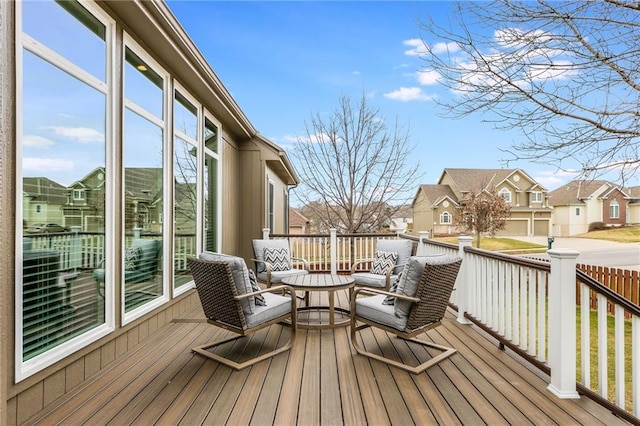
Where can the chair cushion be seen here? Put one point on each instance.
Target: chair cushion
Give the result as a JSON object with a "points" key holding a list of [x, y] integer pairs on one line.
{"points": [[260, 245], [402, 246], [373, 309], [368, 279], [276, 277], [279, 258], [240, 274], [259, 298], [410, 279], [382, 261], [275, 307]]}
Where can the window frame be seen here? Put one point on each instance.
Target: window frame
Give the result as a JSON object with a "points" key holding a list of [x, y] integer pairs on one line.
{"points": [[446, 214], [271, 190], [24, 369], [614, 209], [506, 194], [536, 197]]}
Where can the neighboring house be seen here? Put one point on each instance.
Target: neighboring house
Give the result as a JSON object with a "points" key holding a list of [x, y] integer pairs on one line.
{"points": [[579, 203], [298, 224], [402, 220], [42, 201], [434, 206], [131, 113]]}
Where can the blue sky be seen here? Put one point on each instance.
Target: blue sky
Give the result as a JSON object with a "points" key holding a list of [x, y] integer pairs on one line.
{"points": [[284, 61]]}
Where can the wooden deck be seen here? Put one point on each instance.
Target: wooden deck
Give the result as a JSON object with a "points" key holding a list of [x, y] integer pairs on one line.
{"points": [[320, 381]]}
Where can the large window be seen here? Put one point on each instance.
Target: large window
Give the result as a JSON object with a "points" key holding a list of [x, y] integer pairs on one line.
{"points": [[536, 197], [271, 206], [506, 194], [185, 177], [62, 142], [144, 177], [614, 210], [445, 218], [211, 186]]}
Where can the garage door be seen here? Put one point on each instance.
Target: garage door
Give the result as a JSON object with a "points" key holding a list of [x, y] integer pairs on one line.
{"points": [[541, 227], [515, 227]]}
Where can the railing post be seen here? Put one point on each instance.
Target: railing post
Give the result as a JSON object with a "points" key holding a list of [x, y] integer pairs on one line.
{"points": [[265, 233], [562, 323], [463, 282], [136, 233], [422, 248], [75, 262], [333, 243]]}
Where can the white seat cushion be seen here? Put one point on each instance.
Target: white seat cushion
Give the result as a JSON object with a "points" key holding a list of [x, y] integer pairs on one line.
{"points": [[372, 309], [276, 306]]}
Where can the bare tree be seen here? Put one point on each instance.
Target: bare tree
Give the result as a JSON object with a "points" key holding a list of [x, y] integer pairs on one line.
{"points": [[483, 212], [567, 74], [353, 167]]}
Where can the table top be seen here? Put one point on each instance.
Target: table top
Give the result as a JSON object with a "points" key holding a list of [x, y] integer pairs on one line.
{"points": [[313, 282]]}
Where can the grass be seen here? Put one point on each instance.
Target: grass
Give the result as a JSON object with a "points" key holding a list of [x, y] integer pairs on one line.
{"points": [[627, 234], [497, 244], [593, 326]]}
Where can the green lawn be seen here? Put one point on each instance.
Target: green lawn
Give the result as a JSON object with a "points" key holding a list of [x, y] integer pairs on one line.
{"points": [[628, 234], [497, 244]]}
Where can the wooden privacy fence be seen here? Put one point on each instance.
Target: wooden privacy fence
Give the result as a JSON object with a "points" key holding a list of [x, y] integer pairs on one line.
{"points": [[623, 281]]}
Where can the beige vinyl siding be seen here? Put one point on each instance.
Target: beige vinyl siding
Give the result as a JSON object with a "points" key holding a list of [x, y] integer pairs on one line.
{"points": [[422, 214]]}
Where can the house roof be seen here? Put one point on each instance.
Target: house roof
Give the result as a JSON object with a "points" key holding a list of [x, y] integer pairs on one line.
{"points": [[467, 180], [44, 190], [576, 191], [436, 193], [296, 218]]}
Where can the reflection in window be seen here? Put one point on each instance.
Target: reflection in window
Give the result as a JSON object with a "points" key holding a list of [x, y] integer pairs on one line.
{"points": [[211, 187], [143, 85], [506, 194], [270, 207], [185, 172], [185, 208], [63, 146]]}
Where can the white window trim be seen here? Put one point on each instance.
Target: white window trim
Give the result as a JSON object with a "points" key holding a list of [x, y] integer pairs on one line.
{"points": [[506, 194], [536, 197], [25, 369], [446, 214], [217, 155], [614, 207]]}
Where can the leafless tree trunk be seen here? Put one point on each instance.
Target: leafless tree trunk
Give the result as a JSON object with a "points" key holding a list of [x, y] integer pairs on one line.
{"points": [[354, 169], [566, 73]]}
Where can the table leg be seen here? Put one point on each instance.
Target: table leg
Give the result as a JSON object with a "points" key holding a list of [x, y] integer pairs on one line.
{"points": [[331, 308]]}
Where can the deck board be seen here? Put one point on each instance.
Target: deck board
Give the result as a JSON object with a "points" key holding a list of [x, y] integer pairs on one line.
{"points": [[320, 381]]}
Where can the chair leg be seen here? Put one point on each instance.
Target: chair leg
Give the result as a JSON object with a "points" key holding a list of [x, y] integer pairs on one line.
{"points": [[446, 352], [202, 350]]}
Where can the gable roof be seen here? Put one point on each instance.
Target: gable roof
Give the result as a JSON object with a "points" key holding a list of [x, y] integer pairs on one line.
{"points": [[436, 193], [296, 218], [576, 191], [467, 180], [44, 190]]}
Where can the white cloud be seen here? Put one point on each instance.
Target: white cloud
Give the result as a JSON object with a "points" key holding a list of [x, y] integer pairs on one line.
{"points": [[355, 72], [35, 141], [417, 47], [407, 94], [428, 77], [46, 164], [445, 47], [556, 178], [81, 134]]}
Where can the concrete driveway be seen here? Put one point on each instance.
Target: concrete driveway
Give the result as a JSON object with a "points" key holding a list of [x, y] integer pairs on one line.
{"points": [[594, 252]]}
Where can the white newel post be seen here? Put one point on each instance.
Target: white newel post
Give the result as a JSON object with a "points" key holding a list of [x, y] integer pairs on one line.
{"points": [[333, 244], [463, 283], [75, 262], [265, 233], [562, 323], [136, 233], [423, 245]]}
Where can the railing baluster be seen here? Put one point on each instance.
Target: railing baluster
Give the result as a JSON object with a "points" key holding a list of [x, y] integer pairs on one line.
{"points": [[619, 356], [603, 377], [585, 334]]}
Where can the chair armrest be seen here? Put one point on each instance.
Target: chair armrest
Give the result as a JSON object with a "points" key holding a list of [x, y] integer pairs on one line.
{"points": [[387, 280], [305, 262], [358, 262], [268, 268]]}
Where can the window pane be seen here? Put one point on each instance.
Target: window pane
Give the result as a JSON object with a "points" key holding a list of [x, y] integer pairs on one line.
{"points": [[211, 136], [143, 203], [210, 203], [185, 117], [142, 84], [70, 30], [63, 146], [185, 208]]}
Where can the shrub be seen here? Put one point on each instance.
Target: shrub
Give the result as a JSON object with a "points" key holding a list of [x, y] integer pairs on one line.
{"points": [[597, 226]]}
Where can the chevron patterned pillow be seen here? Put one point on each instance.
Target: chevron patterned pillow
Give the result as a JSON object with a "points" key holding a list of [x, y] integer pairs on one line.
{"points": [[279, 258], [383, 261]]}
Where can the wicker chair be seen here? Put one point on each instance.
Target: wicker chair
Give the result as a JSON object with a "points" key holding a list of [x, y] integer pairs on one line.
{"points": [[409, 315], [224, 307]]}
